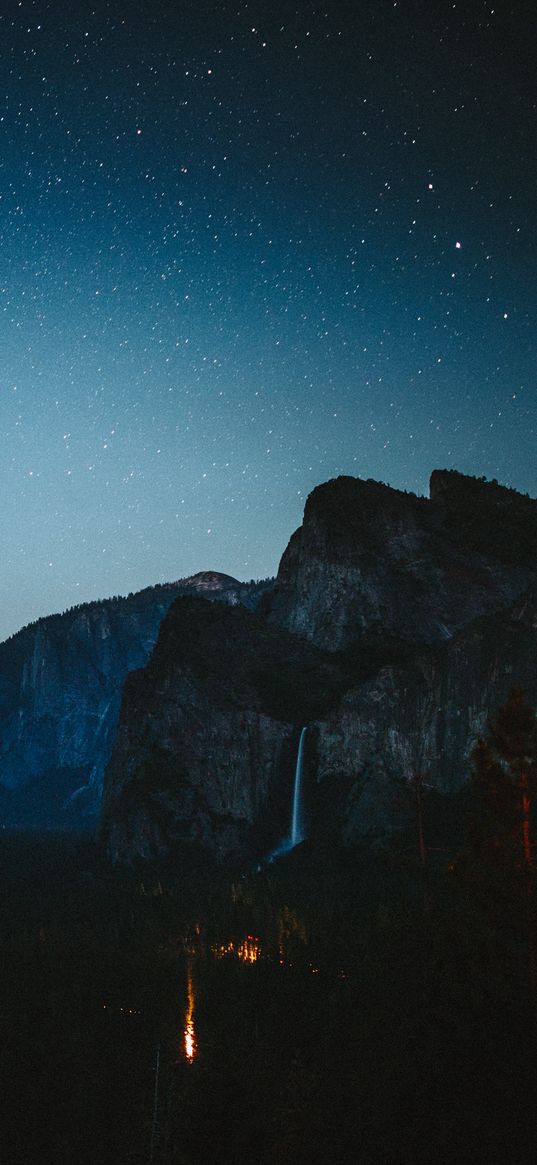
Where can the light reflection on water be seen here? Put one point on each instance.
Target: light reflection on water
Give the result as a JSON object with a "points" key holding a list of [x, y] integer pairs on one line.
{"points": [[247, 951], [189, 1033]]}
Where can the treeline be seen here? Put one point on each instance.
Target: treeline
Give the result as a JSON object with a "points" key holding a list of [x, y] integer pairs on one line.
{"points": [[389, 1018], [132, 599]]}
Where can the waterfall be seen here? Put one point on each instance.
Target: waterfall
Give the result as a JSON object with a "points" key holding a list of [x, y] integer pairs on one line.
{"points": [[296, 832], [297, 824]]}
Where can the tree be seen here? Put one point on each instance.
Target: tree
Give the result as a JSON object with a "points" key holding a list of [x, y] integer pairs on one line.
{"points": [[504, 779], [511, 750]]}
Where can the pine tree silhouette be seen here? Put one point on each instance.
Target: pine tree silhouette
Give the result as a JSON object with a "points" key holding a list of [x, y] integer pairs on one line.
{"points": [[512, 749], [504, 779]]}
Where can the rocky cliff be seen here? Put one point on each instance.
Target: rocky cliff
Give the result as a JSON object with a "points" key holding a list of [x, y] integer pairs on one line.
{"points": [[207, 734], [418, 720], [423, 615], [60, 689], [370, 559]]}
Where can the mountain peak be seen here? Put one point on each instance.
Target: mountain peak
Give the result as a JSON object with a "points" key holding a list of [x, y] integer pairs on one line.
{"points": [[371, 558], [210, 580]]}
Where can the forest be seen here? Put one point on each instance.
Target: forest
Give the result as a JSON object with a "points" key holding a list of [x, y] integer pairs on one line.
{"points": [[341, 1004]]}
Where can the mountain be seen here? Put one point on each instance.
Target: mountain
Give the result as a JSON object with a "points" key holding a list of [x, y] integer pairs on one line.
{"points": [[419, 720], [368, 558], [60, 689], [421, 615], [207, 735]]}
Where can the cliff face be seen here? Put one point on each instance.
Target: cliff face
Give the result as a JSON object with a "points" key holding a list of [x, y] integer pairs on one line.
{"points": [[206, 741], [421, 719], [371, 559], [60, 689], [397, 624]]}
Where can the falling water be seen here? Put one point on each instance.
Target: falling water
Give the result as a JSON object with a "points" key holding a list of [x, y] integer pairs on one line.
{"points": [[297, 825], [296, 832]]}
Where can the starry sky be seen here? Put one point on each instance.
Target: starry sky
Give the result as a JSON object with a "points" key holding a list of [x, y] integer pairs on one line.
{"points": [[246, 247]]}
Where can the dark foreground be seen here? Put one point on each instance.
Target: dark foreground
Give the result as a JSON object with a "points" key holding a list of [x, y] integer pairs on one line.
{"points": [[342, 1007]]}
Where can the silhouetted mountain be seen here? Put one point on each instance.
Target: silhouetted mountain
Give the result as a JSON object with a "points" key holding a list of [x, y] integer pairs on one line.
{"points": [[368, 558]]}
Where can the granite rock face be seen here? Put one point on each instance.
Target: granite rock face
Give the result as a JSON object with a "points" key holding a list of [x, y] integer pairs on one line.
{"points": [[206, 738], [420, 614], [370, 559], [421, 720], [60, 691], [207, 734]]}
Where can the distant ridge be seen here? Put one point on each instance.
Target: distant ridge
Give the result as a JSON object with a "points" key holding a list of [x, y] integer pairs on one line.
{"points": [[60, 686]]}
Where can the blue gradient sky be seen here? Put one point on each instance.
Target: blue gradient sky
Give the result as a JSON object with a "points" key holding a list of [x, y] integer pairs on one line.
{"points": [[245, 248]]}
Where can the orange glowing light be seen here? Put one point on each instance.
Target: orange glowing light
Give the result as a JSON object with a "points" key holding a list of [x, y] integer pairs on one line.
{"points": [[248, 951], [189, 1034]]}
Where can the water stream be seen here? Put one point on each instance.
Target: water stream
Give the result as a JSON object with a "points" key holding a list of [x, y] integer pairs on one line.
{"points": [[296, 832], [297, 819]]}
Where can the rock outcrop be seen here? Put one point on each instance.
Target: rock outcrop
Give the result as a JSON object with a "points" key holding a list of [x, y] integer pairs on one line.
{"points": [[207, 734], [60, 690], [420, 614], [370, 559], [419, 721]]}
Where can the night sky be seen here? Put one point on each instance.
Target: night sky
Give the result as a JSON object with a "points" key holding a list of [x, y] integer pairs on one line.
{"points": [[246, 248]]}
